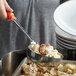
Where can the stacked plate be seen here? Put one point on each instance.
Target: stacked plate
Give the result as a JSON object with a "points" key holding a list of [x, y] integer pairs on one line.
{"points": [[65, 44], [65, 19], [64, 40]]}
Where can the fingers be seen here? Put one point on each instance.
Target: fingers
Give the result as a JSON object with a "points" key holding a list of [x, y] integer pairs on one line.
{"points": [[3, 14], [7, 7], [3, 7]]}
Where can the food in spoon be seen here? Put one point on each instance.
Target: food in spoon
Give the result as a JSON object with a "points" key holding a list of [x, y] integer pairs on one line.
{"points": [[44, 49]]}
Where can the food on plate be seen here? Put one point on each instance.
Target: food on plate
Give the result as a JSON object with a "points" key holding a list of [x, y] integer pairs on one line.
{"points": [[44, 49], [36, 69]]}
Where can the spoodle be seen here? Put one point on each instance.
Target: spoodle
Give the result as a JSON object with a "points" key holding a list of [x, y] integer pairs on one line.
{"points": [[30, 54]]}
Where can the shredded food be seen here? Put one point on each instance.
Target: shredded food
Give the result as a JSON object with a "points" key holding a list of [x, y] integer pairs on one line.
{"points": [[36, 69]]}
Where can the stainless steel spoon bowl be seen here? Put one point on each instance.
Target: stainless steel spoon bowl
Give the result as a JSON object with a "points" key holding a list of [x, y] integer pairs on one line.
{"points": [[35, 57]]}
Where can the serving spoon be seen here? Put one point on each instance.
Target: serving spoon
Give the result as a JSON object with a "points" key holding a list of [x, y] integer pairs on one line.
{"points": [[31, 54]]}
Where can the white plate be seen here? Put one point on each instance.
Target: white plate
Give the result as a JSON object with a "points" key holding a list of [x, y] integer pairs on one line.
{"points": [[64, 46], [66, 40], [65, 17], [64, 35], [67, 44]]}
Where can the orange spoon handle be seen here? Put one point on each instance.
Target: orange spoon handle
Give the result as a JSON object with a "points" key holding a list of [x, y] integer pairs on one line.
{"points": [[11, 16]]}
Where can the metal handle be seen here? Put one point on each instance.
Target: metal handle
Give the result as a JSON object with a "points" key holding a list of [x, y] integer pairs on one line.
{"points": [[12, 17], [23, 31]]}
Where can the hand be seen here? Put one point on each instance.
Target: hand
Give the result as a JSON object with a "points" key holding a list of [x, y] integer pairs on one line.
{"points": [[3, 7]]}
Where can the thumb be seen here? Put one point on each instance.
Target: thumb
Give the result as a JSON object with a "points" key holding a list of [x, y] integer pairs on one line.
{"points": [[7, 7]]}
